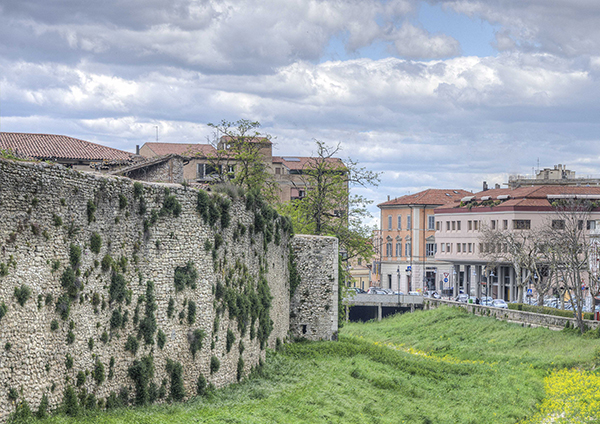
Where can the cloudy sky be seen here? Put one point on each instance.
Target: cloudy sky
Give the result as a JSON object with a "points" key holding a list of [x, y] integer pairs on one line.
{"points": [[438, 93]]}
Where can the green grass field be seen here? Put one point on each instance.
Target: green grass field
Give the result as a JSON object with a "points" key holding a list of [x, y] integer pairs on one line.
{"points": [[438, 366]]}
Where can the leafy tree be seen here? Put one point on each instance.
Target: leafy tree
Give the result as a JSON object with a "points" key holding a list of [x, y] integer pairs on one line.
{"points": [[327, 207], [239, 157]]}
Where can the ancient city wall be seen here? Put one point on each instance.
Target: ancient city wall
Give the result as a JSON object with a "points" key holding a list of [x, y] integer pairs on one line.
{"points": [[118, 292]]}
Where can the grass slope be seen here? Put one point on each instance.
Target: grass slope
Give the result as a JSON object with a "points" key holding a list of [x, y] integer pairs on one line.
{"points": [[440, 366]]}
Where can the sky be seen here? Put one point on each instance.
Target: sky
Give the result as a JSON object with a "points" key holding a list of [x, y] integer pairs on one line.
{"points": [[431, 94]]}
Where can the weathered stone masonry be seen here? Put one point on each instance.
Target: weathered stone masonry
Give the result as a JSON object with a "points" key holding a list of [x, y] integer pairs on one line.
{"points": [[143, 232]]}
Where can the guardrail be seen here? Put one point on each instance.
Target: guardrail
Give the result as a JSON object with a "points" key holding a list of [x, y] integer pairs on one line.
{"points": [[383, 299]]}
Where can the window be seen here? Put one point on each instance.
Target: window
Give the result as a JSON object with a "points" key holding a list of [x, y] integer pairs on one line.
{"points": [[399, 222], [443, 245], [580, 224], [408, 222], [453, 225], [521, 224], [430, 222], [277, 171], [470, 247], [464, 247], [407, 249], [398, 249], [480, 247], [458, 225], [430, 249], [493, 224], [469, 225], [448, 247], [558, 224], [360, 261], [591, 225], [457, 247], [447, 225], [438, 226], [505, 224], [476, 225], [388, 248], [389, 222]]}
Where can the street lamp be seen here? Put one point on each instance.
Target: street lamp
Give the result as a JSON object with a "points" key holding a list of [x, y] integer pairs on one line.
{"points": [[398, 272], [408, 278]]}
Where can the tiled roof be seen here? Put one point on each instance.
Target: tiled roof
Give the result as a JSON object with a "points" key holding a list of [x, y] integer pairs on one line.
{"points": [[528, 197], [56, 147], [250, 139], [300, 162], [181, 149], [431, 196]]}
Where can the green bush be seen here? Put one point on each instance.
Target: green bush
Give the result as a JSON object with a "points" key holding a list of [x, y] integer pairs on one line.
{"points": [[118, 287], [122, 201], [98, 373], [132, 344], [107, 263], [91, 210], [70, 404], [138, 189], [195, 339], [95, 243], [201, 385], [3, 309], [175, 370], [148, 324], [240, 369], [161, 339], [74, 255], [63, 306], [57, 220], [202, 205], [142, 373], [69, 361], [171, 308], [215, 364], [230, 340], [80, 378], [185, 276], [191, 316], [22, 294]]}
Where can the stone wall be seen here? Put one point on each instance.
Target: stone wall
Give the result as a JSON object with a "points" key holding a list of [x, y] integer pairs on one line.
{"points": [[129, 234], [314, 305], [532, 319]]}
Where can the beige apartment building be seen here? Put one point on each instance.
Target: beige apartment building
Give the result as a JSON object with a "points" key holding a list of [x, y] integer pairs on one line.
{"points": [[459, 226], [199, 168], [405, 243]]}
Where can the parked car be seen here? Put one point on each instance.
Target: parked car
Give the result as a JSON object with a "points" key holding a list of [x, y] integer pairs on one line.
{"points": [[432, 294], [358, 290], [376, 290], [399, 293], [486, 300], [499, 303], [414, 293], [462, 298]]}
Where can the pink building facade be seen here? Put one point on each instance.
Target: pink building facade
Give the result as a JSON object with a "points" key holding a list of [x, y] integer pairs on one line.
{"points": [[459, 228]]}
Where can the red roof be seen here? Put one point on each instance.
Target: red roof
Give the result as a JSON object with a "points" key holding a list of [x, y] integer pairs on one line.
{"points": [[181, 149], [432, 196], [54, 147], [248, 138], [300, 162], [523, 197]]}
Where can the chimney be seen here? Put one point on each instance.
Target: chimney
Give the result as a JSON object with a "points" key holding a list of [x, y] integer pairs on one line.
{"points": [[497, 186], [485, 186], [137, 149], [388, 197]]}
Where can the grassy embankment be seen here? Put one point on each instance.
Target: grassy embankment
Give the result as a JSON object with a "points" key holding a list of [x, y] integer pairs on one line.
{"points": [[439, 366]]}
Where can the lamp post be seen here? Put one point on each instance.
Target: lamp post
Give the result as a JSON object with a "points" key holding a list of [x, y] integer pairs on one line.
{"points": [[408, 278], [398, 272]]}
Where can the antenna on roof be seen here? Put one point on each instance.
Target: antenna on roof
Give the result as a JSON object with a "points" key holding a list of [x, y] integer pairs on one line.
{"points": [[156, 126]]}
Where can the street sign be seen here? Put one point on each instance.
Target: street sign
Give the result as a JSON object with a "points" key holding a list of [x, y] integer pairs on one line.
{"points": [[529, 291], [408, 268], [445, 279]]}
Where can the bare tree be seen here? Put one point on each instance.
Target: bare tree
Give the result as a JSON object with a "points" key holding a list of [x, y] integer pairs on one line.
{"points": [[569, 244], [517, 247]]}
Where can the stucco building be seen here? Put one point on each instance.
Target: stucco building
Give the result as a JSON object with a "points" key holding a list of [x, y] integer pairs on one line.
{"points": [[459, 227], [406, 244]]}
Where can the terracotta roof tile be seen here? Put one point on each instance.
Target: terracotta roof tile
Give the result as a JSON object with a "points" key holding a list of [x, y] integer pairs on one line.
{"points": [[431, 196], [52, 146], [533, 196], [181, 149]]}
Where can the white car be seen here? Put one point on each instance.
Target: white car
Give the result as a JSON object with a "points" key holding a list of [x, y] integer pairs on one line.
{"points": [[499, 303]]}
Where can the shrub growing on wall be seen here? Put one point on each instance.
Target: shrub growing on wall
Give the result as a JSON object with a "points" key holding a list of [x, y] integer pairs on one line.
{"points": [[95, 243], [185, 276]]}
